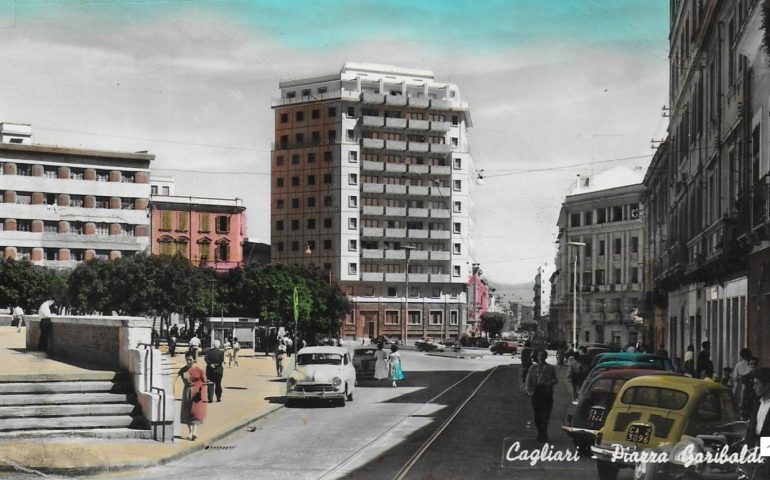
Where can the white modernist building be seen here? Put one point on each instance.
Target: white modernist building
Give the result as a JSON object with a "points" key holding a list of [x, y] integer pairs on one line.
{"points": [[371, 179], [62, 205]]}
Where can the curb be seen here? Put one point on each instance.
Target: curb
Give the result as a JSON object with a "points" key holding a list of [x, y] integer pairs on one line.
{"points": [[6, 466], [456, 355]]}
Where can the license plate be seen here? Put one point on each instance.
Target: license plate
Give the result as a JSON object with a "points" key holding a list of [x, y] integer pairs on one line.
{"points": [[596, 414], [639, 433]]}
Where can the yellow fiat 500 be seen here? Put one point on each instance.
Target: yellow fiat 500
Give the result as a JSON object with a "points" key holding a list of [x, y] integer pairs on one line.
{"points": [[658, 424]]}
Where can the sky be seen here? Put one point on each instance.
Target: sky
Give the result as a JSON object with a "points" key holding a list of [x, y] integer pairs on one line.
{"points": [[556, 88]]}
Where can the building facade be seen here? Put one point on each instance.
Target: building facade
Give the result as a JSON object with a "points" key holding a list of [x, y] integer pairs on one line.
{"points": [[371, 179], [705, 188], [601, 219], [64, 205], [208, 231]]}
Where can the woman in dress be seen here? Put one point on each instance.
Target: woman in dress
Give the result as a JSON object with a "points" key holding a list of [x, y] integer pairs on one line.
{"points": [[381, 363], [394, 361], [193, 410]]}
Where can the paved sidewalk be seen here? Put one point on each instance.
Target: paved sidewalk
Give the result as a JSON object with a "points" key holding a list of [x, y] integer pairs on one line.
{"points": [[251, 391]]}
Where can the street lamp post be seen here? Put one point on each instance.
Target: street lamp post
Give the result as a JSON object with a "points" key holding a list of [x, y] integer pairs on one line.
{"points": [[408, 249], [574, 292]]}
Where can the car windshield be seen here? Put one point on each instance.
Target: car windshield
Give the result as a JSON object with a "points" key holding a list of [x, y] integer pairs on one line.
{"points": [[655, 397], [320, 359]]}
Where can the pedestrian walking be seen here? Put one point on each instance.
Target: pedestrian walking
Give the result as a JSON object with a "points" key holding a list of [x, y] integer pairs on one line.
{"points": [[739, 371], [526, 360], [541, 379], [394, 363], [228, 349], [195, 345], [280, 351], [704, 363], [172, 345], [689, 361], [578, 370], [236, 349], [18, 317], [662, 352], [193, 409], [759, 420], [215, 359], [749, 398], [380, 363]]}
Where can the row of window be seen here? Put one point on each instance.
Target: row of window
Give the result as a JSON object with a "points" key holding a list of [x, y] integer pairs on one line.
{"points": [[457, 162], [598, 277], [616, 213], [181, 246], [414, 317], [413, 114], [75, 173], [182, 224], [25, 198], [617, 247], [300, 140], [76, 228], [315, 114], [310, 157], [75, 254], [607, 305], [370, 268], [310, 180]]}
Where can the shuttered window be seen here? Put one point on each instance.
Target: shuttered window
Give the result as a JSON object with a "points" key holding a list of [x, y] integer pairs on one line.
{"points": [[182, 221], [204, 223], [166, 222]]}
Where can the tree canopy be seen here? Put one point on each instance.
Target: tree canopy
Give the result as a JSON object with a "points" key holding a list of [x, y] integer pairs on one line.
{"points": [[492, 323], [157, 286]]}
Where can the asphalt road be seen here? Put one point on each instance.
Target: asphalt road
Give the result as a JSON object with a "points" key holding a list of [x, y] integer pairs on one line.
{"points": [[450, 419]]}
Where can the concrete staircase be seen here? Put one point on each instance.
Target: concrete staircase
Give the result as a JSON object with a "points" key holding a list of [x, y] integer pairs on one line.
{"points": [[95, 404]]}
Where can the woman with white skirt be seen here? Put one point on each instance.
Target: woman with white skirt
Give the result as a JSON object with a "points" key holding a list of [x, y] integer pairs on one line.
{"points": [[381, 363]]}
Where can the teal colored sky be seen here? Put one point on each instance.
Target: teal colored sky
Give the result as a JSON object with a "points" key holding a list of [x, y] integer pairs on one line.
{"points": [[469, 25]]}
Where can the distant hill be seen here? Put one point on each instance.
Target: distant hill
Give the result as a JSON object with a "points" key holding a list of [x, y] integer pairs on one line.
{"points": [[521, 292]]}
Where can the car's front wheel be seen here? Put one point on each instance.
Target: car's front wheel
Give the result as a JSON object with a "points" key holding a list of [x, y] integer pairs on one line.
{"points": [[349, 396], [607, 470]]}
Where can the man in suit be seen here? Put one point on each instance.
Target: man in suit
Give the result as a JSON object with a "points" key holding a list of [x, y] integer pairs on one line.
{"points": [[759, 421], [215, 359]]}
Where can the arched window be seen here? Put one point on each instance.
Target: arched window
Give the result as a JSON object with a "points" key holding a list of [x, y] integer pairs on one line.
{"points": [[166, 245], [182, 246], [204, 249]]}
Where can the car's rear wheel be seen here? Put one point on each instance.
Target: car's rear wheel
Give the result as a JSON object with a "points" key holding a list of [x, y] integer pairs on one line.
{"points": [[607, 470]]}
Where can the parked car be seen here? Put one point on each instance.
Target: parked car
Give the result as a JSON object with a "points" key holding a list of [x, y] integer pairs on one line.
{"points": [[322, 372], [363, 361], [501, 348], [385, 340], [664, 362], [430, 346], [618, 364], [671, 414], [586, 415]]}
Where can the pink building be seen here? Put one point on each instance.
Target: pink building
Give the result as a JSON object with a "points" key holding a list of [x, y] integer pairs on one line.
{"points": [[208, 231], [479, 296]]}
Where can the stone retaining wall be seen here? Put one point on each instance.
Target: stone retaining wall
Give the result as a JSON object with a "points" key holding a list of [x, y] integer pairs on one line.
{"points": [[113, 343]]}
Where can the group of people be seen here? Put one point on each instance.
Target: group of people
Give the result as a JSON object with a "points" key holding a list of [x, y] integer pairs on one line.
{"points": [[202, 386], [388, 365]]}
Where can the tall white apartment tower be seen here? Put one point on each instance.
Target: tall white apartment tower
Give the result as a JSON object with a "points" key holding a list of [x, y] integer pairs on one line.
{"points": [[371, 176]]}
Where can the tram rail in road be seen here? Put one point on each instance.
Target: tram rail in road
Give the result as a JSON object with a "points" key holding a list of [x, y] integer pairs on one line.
{"points": [[340, 467]]}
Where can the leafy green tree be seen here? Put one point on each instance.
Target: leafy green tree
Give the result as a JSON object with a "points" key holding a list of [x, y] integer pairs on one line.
{"points": [[27, 285], [492, 323]]}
